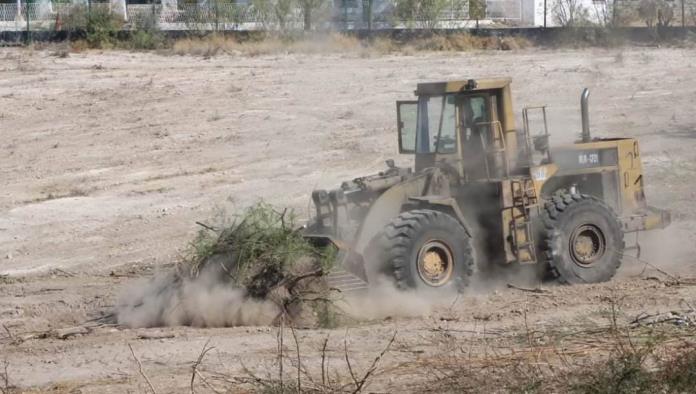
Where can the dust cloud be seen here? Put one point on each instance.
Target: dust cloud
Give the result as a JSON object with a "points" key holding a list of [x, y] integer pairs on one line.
{"points": [[167, 299], [670, 250], [204, 301], [383, 300]]}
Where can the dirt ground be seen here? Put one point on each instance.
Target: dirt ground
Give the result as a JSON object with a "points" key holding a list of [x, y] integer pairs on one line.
{"points": [[108, 158]]}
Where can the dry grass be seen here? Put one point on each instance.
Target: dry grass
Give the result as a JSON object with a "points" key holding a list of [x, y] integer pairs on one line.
{"points": [[587, 360], [217, 44], [257, 45], [338, 371], [467, 42], [338, 43]]}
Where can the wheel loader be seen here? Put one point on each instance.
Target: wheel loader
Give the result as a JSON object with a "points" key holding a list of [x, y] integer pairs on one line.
{"points": [[485, 194]]}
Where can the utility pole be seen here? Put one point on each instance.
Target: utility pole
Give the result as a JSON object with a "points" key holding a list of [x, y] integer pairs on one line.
{"points": [[26, 5], [217, 14], [544, 14], [683, 17]]}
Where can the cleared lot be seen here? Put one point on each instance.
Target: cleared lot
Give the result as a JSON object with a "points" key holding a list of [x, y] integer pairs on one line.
{"points": [[107, 160]]}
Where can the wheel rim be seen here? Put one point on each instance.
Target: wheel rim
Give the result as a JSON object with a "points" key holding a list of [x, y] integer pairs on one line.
{"points": [[435, 263], [587, 245]]}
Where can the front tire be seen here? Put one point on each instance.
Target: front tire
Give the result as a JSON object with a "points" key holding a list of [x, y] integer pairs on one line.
{"points": [[583, 240], [426, 250]]}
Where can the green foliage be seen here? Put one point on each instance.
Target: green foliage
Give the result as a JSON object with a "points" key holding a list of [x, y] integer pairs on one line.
{"points": [[146, 40], [201, 248], [624, 374], [102, 28], [328, 316], [272, 13], [406, 10], [146, 34], [426, 13], [282, 10], [100, 25], [477, 9], [261, 239], [679, 373]]}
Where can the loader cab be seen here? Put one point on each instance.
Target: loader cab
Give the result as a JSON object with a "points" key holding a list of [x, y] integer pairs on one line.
{"points": [[457, 124]]}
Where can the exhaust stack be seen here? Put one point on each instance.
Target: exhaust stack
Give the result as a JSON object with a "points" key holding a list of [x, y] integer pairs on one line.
{"points": [[585, 116]]}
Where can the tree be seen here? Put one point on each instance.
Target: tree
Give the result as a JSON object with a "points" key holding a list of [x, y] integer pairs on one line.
{"points": [[656, 13], [367, 13], [569, 13], [665, 13], [426, 13], [647, 10], [308, 8], [406, 10], [477, 10], [236, 13], [614, 14], [263, 12], [271, 13], [430, 12], [282, 10]]}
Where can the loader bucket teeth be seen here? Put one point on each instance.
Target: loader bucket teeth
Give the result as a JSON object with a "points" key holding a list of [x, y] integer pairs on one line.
{"points": [[345, 282]]}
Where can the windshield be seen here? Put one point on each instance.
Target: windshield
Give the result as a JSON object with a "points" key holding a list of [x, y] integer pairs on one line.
{"points": [[436, 124]]}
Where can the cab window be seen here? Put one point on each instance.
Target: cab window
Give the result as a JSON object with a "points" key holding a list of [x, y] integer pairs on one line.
{"points": [[436, 132]]}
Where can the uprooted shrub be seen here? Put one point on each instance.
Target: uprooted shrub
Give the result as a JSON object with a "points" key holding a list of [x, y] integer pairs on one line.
{"points": [[251, 269]]}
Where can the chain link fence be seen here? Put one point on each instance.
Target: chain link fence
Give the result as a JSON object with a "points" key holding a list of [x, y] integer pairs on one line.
{"points": [[346, 14], [229, 15]]}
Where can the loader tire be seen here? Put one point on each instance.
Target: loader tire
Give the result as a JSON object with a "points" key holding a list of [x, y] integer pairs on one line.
{"points": [[426, 250], [583, 241]]}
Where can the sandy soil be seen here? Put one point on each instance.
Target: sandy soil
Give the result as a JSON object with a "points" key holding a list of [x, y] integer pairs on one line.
{"points": [[108, 159]]}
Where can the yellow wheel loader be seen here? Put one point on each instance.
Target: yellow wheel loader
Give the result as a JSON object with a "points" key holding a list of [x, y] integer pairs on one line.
{"points": [[485, 193]]}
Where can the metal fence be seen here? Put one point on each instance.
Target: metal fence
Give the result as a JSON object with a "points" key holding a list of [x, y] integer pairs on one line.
{"points": [[230, 15], [339, 14]]}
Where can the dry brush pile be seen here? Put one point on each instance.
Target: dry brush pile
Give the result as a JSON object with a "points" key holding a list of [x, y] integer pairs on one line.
{"points": [[252, 269], [263, 44]]}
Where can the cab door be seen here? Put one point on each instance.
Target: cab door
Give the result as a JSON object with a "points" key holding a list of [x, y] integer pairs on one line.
{"points": [[481, 136]]}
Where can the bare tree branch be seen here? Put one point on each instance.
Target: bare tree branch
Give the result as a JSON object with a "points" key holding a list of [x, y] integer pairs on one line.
{"points": [[194, 368], [324, 372], [373, 366], [140, 369], [350, 368], [5, 389], [299, 360], [280, 350]]}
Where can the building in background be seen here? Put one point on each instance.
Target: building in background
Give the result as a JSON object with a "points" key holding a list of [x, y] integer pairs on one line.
{"points": [[355, 14]]}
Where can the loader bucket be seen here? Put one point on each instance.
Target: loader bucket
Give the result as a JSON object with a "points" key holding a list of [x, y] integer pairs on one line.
{"points": [[348, 272]]}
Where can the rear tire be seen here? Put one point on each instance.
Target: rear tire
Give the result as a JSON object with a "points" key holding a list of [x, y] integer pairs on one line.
{"points": [[426, 250], [583, 240]]}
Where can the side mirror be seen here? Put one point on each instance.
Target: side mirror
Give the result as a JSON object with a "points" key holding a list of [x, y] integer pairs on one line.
{"points": [[407, 117]]}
